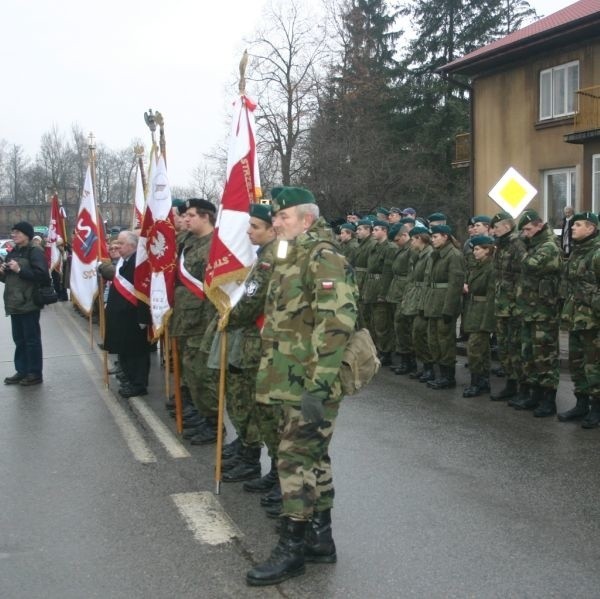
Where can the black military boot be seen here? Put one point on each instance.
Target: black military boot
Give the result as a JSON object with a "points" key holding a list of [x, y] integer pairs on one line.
{"points": [[267, 482], [412, 364], [428, 373], [418, 372], [231, 449], [447, 379], [510, 390], [523, 396], [207, 434], [582, 407], [547, 405], [287, 558], [402, 368], [533, 401], [231, 462], [247, 469], [386, 358], [592, 418], [272, 497], [319, 545], [473, 389]]}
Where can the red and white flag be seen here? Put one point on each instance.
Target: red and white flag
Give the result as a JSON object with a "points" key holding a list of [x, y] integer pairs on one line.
{"points": [[56, 229], [231, 253], [139, 203], [87, 249], [157, 249]]}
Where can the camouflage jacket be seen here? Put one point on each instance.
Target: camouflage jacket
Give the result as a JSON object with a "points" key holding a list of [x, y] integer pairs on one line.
{"points": [[581, 284], [191, 314], [444, 279], [374, 290], [537, 293], [510, 250], [399, 270], [479, 302], [361, 257], [310, 313], [412, 301]]}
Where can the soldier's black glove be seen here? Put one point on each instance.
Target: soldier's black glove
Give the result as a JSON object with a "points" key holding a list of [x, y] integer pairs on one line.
{"points": [[446, 318], [311, 407]]}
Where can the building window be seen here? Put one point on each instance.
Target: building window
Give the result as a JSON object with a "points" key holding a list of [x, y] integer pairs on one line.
{"points": [[596, 183], [557, 90], [559, 191]]}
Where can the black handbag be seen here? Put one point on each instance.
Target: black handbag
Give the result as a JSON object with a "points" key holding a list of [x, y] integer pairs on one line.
{"points": [[48, 295]]}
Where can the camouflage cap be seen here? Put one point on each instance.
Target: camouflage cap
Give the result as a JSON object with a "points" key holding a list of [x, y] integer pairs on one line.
{"points": [[419, 230], [286, 197], [349, 226], [436, 216], [443, 229], [589, 216], [481, 240], [381, 223], [262, 211], [498, 217], [527, 217], [200, 204]]}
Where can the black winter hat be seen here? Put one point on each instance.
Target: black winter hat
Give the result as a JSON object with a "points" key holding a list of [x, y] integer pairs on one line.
{"points": [[25, 228]]}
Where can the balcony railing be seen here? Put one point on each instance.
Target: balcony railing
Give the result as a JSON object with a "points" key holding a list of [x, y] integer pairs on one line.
{"points": [[462, 150], [588, 117]]}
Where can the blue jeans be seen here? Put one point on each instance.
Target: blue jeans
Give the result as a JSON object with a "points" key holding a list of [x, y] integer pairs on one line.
{"points": [[27, 336]]}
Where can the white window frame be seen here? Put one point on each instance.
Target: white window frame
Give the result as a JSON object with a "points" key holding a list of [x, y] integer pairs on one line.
{"points": [[571, 198], [596, 183], [550, 79]]}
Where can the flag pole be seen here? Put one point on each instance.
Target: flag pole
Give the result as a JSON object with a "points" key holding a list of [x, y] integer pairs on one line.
{"points": [[177, 385], [220, 410]]}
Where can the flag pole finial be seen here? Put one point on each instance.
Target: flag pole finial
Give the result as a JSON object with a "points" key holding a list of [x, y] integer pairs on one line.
{"points": [[243, 65]]}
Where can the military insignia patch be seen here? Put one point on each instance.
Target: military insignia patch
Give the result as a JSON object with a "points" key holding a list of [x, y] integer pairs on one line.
{"points": [[265, 266], [327, 284], [251, 288]]}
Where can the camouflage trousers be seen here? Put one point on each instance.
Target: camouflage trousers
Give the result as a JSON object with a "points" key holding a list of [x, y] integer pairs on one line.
{"points": [[539, 352], [584, 361], [419, 339], [441, 337], [241, 404], [508, 333], [200, 380], [403, 330], [478, 353], [304, 463], [269, 421], [380, 325]]}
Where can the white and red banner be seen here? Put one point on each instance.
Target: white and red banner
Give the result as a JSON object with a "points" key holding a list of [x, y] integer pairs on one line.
{"points": [[56, 230], [139, 203], [123, 286], [231, 253], [157, 250], [87, 249]]}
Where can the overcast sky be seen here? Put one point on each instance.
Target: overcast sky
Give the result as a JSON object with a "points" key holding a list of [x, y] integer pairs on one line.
{"points": [[103, 65]]}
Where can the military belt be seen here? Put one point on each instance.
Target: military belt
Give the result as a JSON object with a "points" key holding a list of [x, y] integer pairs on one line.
{"points": [[479, 298], [359, 269], [439, 285], [372, 275]]}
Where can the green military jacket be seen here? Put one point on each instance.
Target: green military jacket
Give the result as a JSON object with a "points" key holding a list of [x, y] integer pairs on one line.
{"points": [[478, 310], [191, 314], [310, 313], [374, 290], [444, 279], [510, 250], [399, 270], [361, 257], [537, 293], [349, 249], [581, 284], [412, 301]]}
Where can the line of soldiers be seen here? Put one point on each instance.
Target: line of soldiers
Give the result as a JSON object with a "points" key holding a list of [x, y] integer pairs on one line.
{"points": [[509, 280]]}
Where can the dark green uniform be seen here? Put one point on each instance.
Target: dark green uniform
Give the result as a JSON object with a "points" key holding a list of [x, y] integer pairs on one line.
{"points": [[399, 270], [349, 249], [361, 257]]}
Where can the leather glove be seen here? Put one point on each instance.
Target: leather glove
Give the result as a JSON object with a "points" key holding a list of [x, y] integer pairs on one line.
{"points": [[446, 318], [311, 407]]}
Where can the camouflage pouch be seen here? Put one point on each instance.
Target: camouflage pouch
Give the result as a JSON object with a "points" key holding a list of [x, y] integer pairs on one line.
{"points": [[359, 363]]}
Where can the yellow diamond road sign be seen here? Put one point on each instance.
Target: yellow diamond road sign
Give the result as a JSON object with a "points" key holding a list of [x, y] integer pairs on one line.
{"points": [[513, 192]]}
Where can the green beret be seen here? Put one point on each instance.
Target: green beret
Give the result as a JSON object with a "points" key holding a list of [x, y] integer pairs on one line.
{"points": [[436, 216], [498, 217], [481, 240], [444, 229], [589, 216], [348, 226], [382, 210], [200, 204], [367, 222], [527, 217], [262, 211], [419, 230], [285, 197], [407, 220], [381, 223], [482, 218], [177, 203], [393, 231]]}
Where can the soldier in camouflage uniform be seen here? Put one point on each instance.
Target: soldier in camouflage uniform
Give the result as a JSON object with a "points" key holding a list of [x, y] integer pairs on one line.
{"points": [[581, 317], [478, 313], [538, 302], [310, 315], [510, 249], [378, 312], [348, 241], [361, 256], [243, 341], [192, 314]]}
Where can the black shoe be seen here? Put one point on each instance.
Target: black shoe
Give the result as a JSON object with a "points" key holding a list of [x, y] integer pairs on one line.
{"points": [[509, 391], [207, 434], [267, 482], [319, 546], [193, 422], [231, 448], [190, 433], [530, 400], [582, 407], [386, 358], [15, 379], [273, 497], [231, 463], [130, 391], [248, 467], [273, 511], [446, 380], [417, 374], [428, 373], [31, 379], [547, 405], [473, 389], [592, 418], [287, 558], [402, 367]]}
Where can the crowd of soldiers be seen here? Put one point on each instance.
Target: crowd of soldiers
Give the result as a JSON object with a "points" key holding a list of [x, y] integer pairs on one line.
{"points": [[511, 284]]}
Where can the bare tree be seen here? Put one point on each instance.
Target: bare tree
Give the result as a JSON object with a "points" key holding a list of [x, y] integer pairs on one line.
{"points": [[16, 168], [55, 158]]}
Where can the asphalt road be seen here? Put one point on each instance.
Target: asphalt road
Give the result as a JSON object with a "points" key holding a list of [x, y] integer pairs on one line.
{"points": [[437, 496]]}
